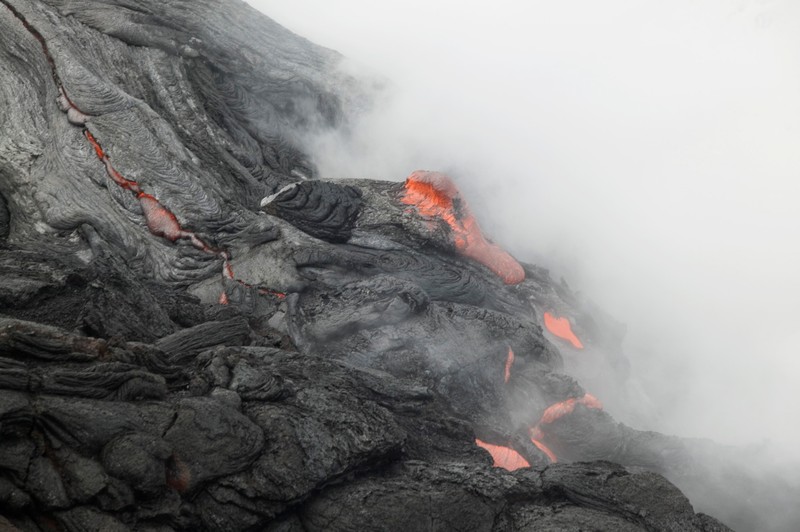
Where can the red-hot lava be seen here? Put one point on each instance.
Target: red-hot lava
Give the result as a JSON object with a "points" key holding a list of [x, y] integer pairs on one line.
{"points": [[546, 450], [561, 328], [557, 411], [504, 457], [434, 195], [163, 222], [508, 458], [279, 295], [509, 363], [160, 220]]}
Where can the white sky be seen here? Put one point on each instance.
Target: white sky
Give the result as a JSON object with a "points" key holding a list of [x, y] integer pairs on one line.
{"points": [[648, 150]]}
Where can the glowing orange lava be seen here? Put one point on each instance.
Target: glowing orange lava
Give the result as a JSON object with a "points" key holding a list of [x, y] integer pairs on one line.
{"points": [[556, 411], [267, 291], [504, 457], [434, 195], [160, 220], [561, 327], [509, 363], [510, 459], [96, 145], [227, 269], [546, 450]]}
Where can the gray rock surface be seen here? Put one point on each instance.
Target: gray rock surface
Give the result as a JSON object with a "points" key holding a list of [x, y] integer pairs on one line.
{"points": [[174, 358]]}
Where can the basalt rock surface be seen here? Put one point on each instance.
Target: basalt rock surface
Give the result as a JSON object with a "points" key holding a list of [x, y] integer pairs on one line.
{"points": [[197, 334]]}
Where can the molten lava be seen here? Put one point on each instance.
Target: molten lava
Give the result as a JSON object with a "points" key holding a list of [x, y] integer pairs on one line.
{"points": [[504, 457], [557, 411], [561, 328], [546, 450], [509, 363], [510, 459], [268, 291], [434, 195], [96, 145], [160, 221]]}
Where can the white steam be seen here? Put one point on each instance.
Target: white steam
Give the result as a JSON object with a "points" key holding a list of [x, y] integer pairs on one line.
{"points": [[648, 151]]}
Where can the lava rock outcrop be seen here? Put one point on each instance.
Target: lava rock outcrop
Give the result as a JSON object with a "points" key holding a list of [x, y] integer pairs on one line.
{"points": [[173, 357]]}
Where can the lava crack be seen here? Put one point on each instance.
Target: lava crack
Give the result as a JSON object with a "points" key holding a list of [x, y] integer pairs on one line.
{"points": [[160, 220]]}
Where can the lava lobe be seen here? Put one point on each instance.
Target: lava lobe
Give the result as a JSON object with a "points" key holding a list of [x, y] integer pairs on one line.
{"points": [[434, 195]]}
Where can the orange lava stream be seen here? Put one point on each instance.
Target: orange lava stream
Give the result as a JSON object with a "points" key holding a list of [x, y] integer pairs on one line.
{"points": [[279, 295], [546, 450], [509, 363], [434, 195], [510, 459], [556, 411], [160, 220], [504, 457], [96, 145], [561, 328]]}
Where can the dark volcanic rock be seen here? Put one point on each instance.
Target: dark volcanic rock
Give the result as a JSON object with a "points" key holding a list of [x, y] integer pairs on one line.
{"points": [[172, 358], [264, 434], [319, 208]]}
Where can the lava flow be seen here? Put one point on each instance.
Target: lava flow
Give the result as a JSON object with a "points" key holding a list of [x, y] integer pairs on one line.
{"points": [[508, 458], [162, 222], [557, 411], [435, 195], [504, 457], [561, 328], [159, 220], [509, 363]]}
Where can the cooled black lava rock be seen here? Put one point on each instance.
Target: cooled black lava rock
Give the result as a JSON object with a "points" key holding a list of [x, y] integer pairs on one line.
{"points": [[172, 358], [321, 209], [263, 435]]}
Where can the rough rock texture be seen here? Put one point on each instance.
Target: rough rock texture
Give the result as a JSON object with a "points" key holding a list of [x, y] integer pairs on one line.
{"points": [[174, 358], [100, 434]]}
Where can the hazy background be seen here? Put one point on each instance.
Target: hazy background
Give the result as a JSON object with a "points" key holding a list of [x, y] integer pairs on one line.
{"points": [[648, 151]]}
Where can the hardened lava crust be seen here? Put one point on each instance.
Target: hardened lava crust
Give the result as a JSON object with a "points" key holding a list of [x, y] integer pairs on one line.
{"points": [[198, 333]]}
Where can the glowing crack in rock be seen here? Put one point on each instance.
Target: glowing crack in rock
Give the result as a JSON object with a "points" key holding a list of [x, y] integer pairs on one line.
{"points": [[504, 457], [557, 411], [509, 363], [561, 328], [546, 450], [435, 195], [508, 458], [160, 220], [432, 194]]}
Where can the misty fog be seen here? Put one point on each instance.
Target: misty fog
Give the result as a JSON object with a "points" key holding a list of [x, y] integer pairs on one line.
{"points": [[646, 151]]}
